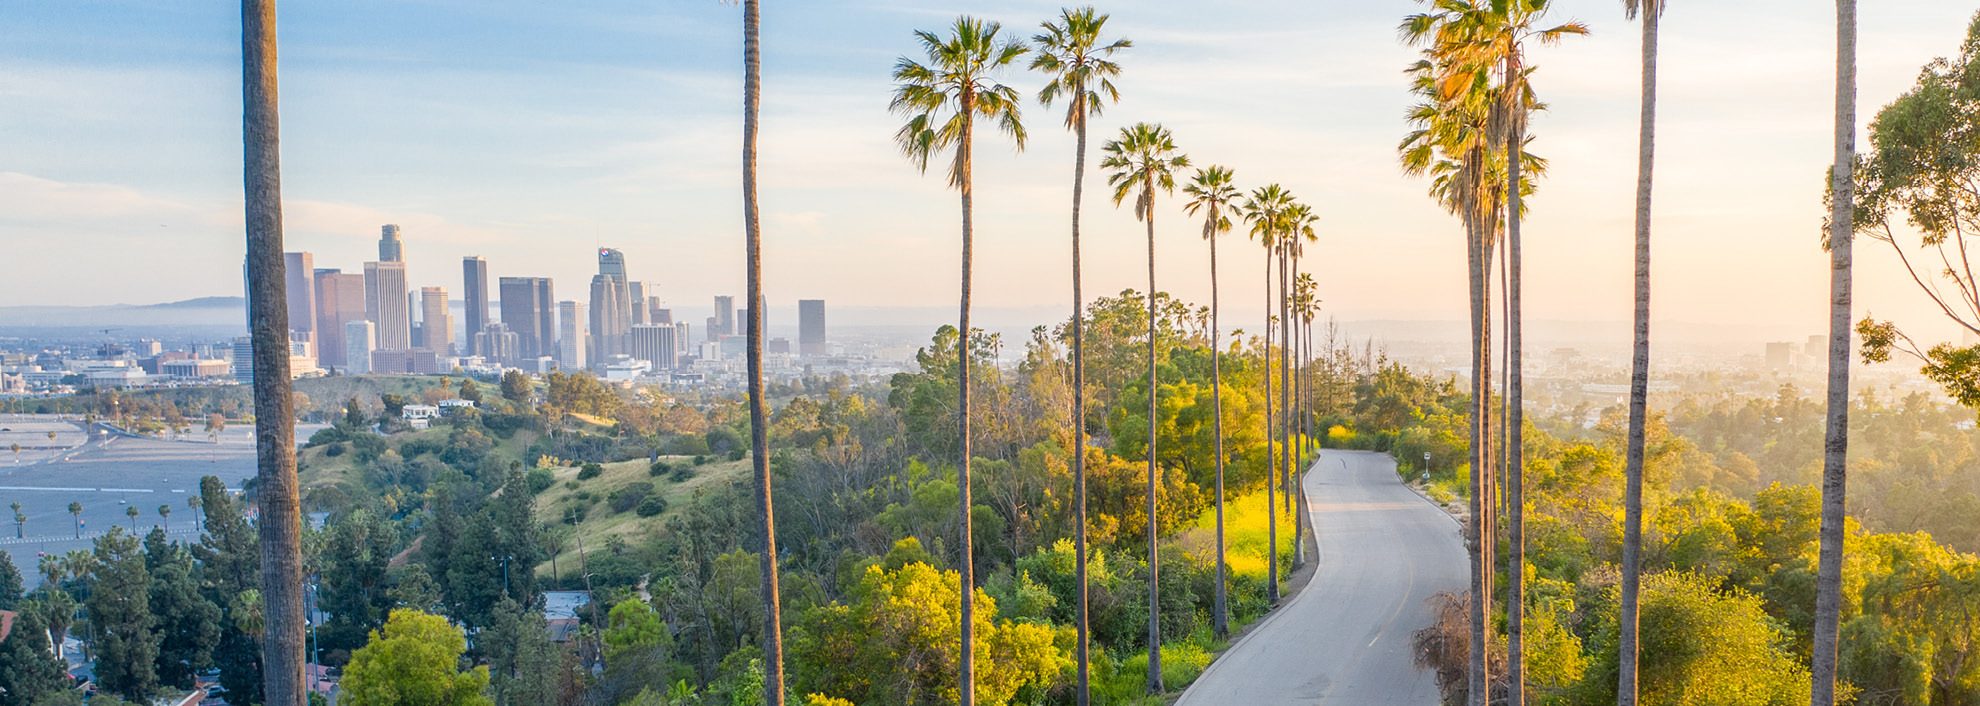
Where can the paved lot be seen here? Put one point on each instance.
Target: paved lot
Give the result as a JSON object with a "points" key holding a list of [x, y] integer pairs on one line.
{"points": [[108, 475], [1344, 639]]}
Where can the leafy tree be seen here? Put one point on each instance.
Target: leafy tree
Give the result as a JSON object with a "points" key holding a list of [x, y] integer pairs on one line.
{"points": [[119, 605], [637, 648], [413, 661], [1701, 646], [516, 388], [942, 100], [230, 572], [895, 640]]}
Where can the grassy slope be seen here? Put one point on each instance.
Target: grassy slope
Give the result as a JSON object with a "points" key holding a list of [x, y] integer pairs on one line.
{"points": [[600, 523]]}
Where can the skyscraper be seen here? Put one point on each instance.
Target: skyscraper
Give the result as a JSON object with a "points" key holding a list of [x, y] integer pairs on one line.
{"points": [[497, 343], [654, 343], [612, 262], [571, 337], [725, 318], [528, 311], [437, 322], [339, 301], [390, 248], [658, 314], [610, 321], [681, 340], [359, 342], [811, 328], [299, 275], [636, 296], [386, 304], [474, 289]]}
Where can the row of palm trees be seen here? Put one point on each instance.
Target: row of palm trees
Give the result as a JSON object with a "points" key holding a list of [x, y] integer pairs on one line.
{"points": [[1470, 137], [942, 97]]}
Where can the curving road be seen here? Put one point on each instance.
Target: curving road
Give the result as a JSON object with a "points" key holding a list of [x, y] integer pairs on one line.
{"points": [[1344, 638]]}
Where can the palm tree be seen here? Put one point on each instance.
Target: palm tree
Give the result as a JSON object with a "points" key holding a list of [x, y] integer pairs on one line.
{"points": [[1071, 53], [1450, 143], [75, 512], [20, 520], [1639, 368], [1835, 457], [1299, 220], [132, 512], [275, 445], [165, 515], [773, 630], [942, 100], [1264, 209], [1142, 161], [193, 502], [1212, 194]]}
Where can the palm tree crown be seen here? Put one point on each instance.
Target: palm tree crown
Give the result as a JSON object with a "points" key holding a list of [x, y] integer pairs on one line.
{"points": [[943, 97], [1212, 193], [1070, 52], [1142, 160]]}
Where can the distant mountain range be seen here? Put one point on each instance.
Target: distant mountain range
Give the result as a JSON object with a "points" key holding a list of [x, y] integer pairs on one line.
{"points": [[203, 311]]}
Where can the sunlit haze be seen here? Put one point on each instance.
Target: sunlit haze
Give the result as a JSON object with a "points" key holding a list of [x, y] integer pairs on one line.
{"points": [[531, 133]]}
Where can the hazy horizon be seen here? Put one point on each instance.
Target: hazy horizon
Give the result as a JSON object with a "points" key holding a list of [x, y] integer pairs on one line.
{"points": [[530, 135]]}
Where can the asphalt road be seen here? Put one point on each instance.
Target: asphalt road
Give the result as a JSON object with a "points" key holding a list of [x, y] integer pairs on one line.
{"points": [[107, 474], [1344, 638]]}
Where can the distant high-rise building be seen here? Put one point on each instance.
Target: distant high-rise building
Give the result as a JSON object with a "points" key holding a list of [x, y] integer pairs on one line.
{"points": [[654, 343], [390, 248], [339, 301], [1780, 355], [636, 295], [1816, 347], [528, 310], [778, 346], [658, 314], [612, 262], [725, 318], [811, 327], [474, 289], [497, 343], [436, 320], [681, 340], [711, 329], [360, 339], [299, 280], [386, 304], [610, 321], [571, 343], [243, 358]]}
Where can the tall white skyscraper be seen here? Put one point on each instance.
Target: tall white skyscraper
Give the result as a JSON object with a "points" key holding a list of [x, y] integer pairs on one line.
{"points": [[360, 339], [571, 335], [386, 304], [654, 343]]}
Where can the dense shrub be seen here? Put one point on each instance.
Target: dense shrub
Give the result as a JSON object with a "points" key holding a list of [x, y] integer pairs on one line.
{"points": [[590, 471], [651, 505], [539, 480], [628, 497]]}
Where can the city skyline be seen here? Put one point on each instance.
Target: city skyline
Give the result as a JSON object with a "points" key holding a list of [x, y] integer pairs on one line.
{"points": [[1739, 194]]}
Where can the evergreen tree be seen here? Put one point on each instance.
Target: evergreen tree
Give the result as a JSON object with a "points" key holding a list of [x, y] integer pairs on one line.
{"points": [[188, 623], [126, 644], [523, 662], [230, 577], [28, 668], [10, 583], [356, 551]]}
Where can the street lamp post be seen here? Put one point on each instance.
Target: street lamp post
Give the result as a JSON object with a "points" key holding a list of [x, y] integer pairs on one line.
{"points": [[1426, 466]]}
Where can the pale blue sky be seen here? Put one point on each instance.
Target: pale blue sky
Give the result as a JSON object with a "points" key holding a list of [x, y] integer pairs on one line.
{"points": [[530, 132]]}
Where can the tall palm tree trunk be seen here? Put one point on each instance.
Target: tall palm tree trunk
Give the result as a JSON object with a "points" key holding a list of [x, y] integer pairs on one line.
{"points": [[1219, 604], [773, 631], [1084, 641], [1271, 458], [1154, 546], [1515, 419], [1286, 459], [1639, 376], [268, 314], [1835, 445], [966, 664], [1480, 565]]}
